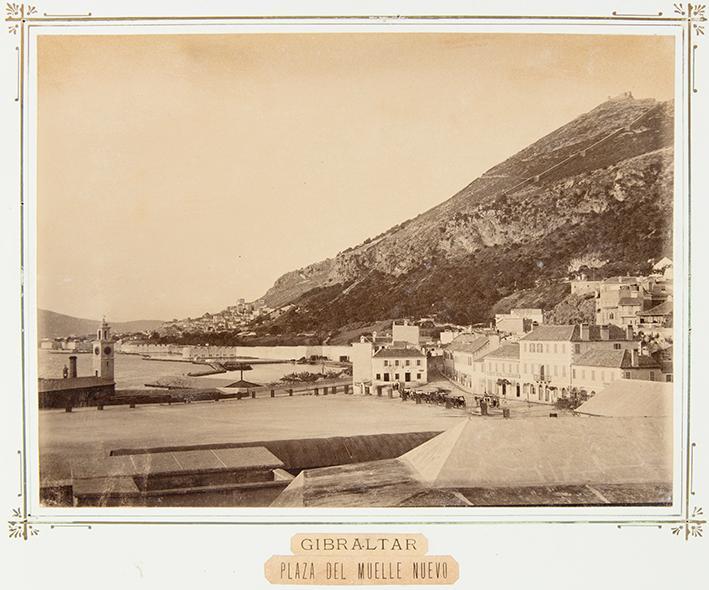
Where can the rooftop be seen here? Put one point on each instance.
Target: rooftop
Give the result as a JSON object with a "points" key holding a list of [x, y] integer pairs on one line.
{"points": [[178, 462], [664, 308], [399, 353], [240, 384], [525, 452], [72, 383], [620, 359], [634, 301], [468, 343], [482, 461], [506, 351], [620, 281], [549, 332], [631, 397], [573, 333]]}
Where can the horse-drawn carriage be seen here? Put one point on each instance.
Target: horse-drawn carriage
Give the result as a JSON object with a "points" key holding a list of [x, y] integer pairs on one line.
{"points": [[438, 396]]}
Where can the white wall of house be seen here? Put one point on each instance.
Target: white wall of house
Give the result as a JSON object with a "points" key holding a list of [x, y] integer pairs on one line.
{"points": [[361, 358], [593, 379], [405, 370], [498, 370], [552, 359]]}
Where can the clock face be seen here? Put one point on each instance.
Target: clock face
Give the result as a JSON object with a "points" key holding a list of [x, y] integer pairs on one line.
{"points": [[107, 350], [97, 350]]}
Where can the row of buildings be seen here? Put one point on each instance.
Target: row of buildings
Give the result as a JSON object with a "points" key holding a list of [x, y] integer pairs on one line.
{"points": [[644, 302], [551, 361], [543, 364]]}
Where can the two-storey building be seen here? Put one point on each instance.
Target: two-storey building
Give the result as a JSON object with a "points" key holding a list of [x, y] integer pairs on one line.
{"points": [[502, 374], [597, 368], [405, 365], [549, 351]]}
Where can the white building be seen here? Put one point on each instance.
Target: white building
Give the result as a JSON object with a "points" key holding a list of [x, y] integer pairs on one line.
{"points": [[548, 353], [399, 365], [598, 368], [519, 321], [361, 357], [393, 363]]}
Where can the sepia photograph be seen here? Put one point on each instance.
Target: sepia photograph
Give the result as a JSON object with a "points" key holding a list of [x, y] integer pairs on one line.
{"points": [[319, 269]]}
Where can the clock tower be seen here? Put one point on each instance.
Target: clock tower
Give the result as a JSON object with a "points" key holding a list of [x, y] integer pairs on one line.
{"points": [[103, 352]]}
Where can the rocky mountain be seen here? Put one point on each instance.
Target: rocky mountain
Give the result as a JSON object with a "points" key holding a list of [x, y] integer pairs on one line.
{"points": [[57, 325], [599, 188]]}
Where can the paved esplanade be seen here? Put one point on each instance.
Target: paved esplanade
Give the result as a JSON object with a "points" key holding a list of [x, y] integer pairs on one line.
{"points": [[66, 437]]}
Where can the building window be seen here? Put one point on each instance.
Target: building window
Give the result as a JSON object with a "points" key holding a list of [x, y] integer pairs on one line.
{"points": [[379, 376], [556, 371], [563, 348], [577, 348], [547, 348], [386, 376], [563, 370], [627, 374], [652, 375], [396, 363], [668, 378], [386, 363], [555, 345], [396, 377], [616, 345], [418, 375], [593, 375], [408, 362], [583, 373], [418, 362], [573, 373]]}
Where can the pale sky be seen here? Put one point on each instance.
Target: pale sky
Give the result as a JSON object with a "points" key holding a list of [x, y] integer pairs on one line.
{"points": [[179, 173]]}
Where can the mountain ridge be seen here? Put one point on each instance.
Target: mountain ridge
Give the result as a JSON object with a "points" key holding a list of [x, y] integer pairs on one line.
{"points": [[608, 168], [51, 324]]}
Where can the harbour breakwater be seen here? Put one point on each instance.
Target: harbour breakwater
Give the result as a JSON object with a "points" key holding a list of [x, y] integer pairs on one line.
{"points": [[280, 353]]}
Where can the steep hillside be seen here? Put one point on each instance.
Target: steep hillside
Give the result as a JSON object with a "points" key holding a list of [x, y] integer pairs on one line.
{"points": [[56, 325], [600, 185]]}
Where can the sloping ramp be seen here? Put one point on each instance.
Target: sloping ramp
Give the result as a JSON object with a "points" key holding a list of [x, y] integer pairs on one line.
{"points": [[546, 451], [307, 453], [628, 397]]}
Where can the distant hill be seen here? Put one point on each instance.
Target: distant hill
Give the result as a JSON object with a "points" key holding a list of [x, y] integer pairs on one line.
{"points": [[599, 187], [57, 325]]}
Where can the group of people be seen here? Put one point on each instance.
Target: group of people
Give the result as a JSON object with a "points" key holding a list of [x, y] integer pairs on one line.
{"points": [[488, 401]]}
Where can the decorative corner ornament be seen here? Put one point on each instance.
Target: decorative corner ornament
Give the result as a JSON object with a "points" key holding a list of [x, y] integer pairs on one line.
{"points": [[20, 527], [14, 11], [693, 526], [695, 14], [16, 14]]}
